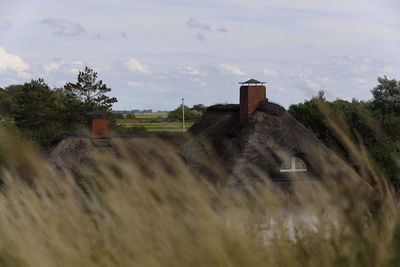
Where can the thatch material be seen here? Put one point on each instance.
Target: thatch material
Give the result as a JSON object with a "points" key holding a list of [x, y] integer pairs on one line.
{"points": [[259, 148], [271, 108], [70, 151], [218, 146]]}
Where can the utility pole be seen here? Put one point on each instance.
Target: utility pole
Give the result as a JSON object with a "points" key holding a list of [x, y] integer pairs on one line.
{"points": [[183, 115]]}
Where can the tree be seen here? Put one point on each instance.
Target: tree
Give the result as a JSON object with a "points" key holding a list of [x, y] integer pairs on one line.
{"points": [[386, 96], [199, 107], [90, 92], [190, 115], [130, 116], [34, 108]]}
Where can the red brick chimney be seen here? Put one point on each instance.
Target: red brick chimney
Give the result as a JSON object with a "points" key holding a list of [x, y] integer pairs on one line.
{"points": [[98, 125], [252, 93]]}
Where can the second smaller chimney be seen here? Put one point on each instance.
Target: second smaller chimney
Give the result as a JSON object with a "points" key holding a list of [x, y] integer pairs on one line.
{"points": [[252, 93], [98, 125]]}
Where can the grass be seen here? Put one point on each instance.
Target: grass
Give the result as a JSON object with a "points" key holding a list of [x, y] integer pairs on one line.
{"points": [[144, 207], [161, 126], [152, 115]]}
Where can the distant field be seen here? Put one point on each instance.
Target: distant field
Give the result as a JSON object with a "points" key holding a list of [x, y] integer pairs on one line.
{"points": [[156, 126], [151, 115], [154, 122]]}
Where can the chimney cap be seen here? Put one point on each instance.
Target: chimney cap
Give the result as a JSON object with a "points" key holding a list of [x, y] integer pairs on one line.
{"points": [[252, 81]]}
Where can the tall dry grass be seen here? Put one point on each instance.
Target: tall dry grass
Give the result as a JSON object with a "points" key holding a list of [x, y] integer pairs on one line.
{"points": [[147, 209]]}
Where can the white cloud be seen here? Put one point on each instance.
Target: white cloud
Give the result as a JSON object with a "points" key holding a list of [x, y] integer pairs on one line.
{"points": [[231, 69], [64, 26], [308, 84], [50, 67], [135, 66], [191, 71], [361, 68], [270, 73], [361, 81], [54, 66], [9, 61], [158, 88], [74, 71], [281, 89], [387, 70], [309, 87], [326, 80], [6, 26], [200, 82], [135, 84]]}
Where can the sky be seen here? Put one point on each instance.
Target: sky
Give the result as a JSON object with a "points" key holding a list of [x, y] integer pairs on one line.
{"points": [[152, 53]]}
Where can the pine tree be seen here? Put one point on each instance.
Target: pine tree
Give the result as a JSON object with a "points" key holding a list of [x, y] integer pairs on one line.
{"points": [[91, 92]]}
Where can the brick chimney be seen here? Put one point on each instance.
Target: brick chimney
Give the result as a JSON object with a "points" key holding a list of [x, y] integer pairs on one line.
{"points": [[252, 93], [98, 125]]}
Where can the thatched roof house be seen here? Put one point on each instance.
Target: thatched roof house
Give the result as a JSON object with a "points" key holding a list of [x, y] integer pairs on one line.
{"points": [[253, 140], [272, 144], [257, 139]]}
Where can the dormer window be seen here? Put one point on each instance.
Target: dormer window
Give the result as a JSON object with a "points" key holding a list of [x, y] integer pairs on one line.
{"points": [[293, 165]]}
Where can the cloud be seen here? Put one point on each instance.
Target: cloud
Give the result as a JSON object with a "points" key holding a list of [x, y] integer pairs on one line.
{"points": [[281, 89], [309, 87], [308, 84], [6, 26], [135, 84], [200, 82], [64, 26], [9, 61], [54, 66], [135, 66], [326, 79], [361, 68], [192, 23], [50, 67], [200, 36], [124, 35], [191, 71], [361, 81], [100, 36], [387, 69], [231, 69], [74, 71], [270, 73], [222, 30]]}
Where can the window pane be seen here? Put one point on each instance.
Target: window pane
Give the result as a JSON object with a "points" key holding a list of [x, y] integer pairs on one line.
{"points": [[293, 165], [299, 164], [286, 165]]}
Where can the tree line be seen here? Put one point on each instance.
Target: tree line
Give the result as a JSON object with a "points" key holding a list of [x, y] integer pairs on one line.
{"points": [[373, 126], [40, 112]]}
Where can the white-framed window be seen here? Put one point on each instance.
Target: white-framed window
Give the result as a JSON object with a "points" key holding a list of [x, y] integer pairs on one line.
{"points": [[293, 165]]}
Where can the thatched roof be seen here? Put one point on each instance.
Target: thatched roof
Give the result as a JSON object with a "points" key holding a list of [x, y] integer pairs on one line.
{"points": [[71, 150], [217, 145], [259, 148]]}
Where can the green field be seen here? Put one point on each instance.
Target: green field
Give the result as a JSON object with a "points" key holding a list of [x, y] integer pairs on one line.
{"points": [[157, 126], [152, 115], [153, 122]]}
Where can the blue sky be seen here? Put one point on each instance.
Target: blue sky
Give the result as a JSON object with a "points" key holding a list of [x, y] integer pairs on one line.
{"points": [[154, 52]]}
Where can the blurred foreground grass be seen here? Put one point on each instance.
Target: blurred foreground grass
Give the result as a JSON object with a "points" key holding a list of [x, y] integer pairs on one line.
{"points": [[145, 208]]}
